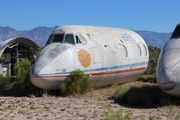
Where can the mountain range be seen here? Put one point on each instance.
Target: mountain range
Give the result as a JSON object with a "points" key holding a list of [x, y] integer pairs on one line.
{"points": [[40, 35]]}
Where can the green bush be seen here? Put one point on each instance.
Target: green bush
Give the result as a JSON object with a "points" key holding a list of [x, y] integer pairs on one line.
{"points": [[144, 95], [4, 81], [22, 69], [22, 84], [137, 98], [154, 53], [77, 83], [121, 95], [63, 88]]}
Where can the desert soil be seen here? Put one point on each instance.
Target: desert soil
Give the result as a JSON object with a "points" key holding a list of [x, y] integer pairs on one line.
{"points": [[85, 107]]}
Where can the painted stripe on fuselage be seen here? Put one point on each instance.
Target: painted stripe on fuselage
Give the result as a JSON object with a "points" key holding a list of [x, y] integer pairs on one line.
{"points": [[97, 71], [118, 72]]}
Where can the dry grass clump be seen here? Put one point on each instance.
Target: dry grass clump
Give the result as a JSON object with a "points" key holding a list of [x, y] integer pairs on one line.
{"points": [[111, 114]]}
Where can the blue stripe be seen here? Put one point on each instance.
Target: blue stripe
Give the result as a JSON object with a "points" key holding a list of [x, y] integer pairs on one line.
{"points": [[103, 69], [116, 67]]}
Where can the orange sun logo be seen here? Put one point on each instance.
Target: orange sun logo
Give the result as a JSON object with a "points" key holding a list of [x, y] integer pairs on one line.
{"points": [[84, 58]]}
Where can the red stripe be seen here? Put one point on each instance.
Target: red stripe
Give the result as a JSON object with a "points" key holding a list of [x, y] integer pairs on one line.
{"points": [[95, 74], [117, 72], [63, 76]]}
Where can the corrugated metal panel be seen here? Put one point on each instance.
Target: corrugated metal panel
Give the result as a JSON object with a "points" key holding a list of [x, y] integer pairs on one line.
{"points": [[4, 42], [12, 41]]}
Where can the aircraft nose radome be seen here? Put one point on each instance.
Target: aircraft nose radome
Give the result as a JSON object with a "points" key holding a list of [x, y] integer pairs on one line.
{"points": [[166, 79], [42, 78]]}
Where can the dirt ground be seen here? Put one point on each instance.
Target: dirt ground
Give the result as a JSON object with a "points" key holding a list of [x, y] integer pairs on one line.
{"points": [[85, 107]]}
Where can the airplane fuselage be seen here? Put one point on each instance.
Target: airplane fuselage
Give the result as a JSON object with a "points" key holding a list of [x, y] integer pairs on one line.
{"points": [[107, 55], [168, 68]]}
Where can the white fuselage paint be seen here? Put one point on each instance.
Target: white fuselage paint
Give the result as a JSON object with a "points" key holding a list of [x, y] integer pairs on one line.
{"points": [[107, 55], [168, 68]]}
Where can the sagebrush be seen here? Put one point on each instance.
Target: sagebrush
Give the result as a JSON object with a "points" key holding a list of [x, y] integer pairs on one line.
{"points": [[22, 69], [22, 82], [77, 83]]}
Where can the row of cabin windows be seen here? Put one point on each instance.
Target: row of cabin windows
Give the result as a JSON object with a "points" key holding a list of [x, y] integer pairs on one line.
{"points": [[125, 50], [66, 38]]}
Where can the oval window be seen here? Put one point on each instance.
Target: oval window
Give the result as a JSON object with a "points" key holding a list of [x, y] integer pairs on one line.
{"points": [[125, 51], [145, 50], [139, 50]]}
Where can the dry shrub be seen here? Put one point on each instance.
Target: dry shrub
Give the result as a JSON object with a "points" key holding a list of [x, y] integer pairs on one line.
{"points": [[77, 83]]}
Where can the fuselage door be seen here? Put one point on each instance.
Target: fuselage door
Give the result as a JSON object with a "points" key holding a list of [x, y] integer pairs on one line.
{"points": [[112, 59], [111, 52]]}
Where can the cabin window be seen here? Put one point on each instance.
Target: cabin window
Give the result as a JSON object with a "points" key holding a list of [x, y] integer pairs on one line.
{"points": [[145, 50], [69, 38], [125, 51], [58, 38], [139, 50]]}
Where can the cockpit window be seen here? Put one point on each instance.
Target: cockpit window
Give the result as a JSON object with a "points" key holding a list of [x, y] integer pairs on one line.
{"points": [[58, 38], [69, 38], [49, 40], [55, 38], [176, 33], [80, 39], [84, 41]]}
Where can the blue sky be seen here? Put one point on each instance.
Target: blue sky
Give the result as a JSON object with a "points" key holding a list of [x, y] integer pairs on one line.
{"points": [[153, 15]]}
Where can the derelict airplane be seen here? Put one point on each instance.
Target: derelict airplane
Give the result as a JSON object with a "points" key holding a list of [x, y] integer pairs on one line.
{"points": [[168, 67], [107, 55]]}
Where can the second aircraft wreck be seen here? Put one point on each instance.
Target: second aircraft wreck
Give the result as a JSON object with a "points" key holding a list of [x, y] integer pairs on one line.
{"points": [[168, 67], [107, 55], [14, 49]]}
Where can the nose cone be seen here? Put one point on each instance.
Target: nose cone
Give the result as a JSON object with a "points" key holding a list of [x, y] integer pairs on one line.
{"points": [[43, 81], [43, 72], [167, 63], [166, 79]]}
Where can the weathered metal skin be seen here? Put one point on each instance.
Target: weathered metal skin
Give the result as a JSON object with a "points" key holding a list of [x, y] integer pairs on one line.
{"points": [[107, 55], [168, 68]]}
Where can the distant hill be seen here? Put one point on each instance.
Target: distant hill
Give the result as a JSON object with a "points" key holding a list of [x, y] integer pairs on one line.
{"points": [[40, 35], [154, 38]]}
